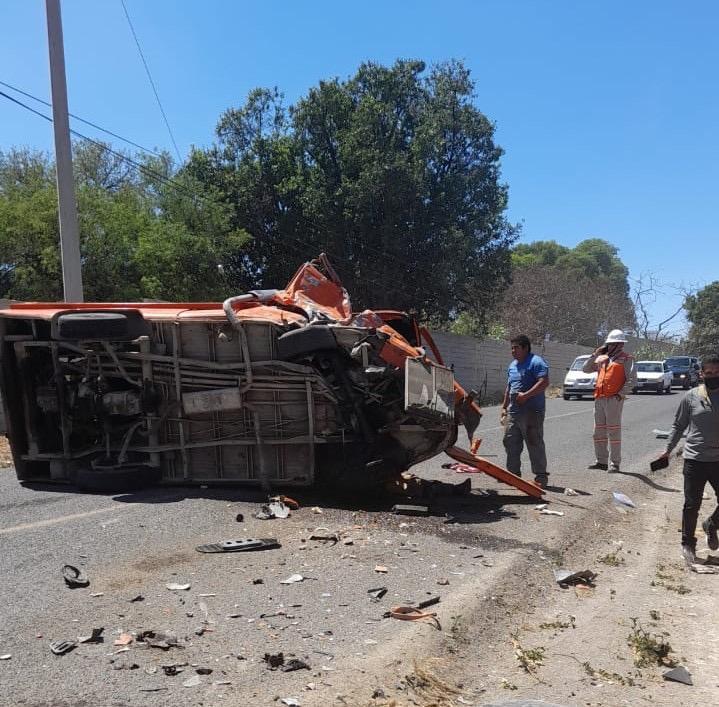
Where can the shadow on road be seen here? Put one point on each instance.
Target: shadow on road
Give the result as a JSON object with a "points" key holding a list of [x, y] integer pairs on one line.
{"points": [[649, 482]]}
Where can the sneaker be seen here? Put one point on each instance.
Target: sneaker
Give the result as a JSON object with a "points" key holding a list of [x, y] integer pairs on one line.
{"points": [[688, 554], [541, 481], [614, 469], [710, 530], [598, 465]]}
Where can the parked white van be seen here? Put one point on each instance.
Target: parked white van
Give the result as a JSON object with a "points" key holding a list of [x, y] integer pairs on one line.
{"points": [[578, 383]]}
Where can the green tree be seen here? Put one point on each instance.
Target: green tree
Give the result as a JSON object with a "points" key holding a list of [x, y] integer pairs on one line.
{"points": [[145, 232], [393, 172], [537, 253], [703, 313]]}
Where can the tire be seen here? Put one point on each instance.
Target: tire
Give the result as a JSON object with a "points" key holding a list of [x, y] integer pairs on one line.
{"points": [[566, 397], [668, 389], [115, 480], [635, 391], [303, 342], [93, 325]]}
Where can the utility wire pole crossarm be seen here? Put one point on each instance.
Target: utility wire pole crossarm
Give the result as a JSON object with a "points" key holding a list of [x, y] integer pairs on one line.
{"points": [[69, 231]]}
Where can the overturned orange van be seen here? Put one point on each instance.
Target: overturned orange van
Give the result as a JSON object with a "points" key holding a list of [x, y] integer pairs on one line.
{"points": [[272, 387]]}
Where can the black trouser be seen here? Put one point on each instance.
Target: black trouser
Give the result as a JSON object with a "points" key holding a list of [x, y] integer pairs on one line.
{"points": [[696, 476]]}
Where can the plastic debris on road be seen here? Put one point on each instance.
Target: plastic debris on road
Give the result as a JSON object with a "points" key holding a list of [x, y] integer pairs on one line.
{"points": [[176, 587], [377, 593], [73, 577], [6, 656], [194, 681], [661, 434], [567, 577], [407, 510], [381, 569], [94, 637], [548, 512], [274, 509], [624, 500], [703, 569], [291, 702], [678, 674], [570, 492], [324, 535], [294, 664], [158, 639], [62, 647], [274, 660], [293, 579]]}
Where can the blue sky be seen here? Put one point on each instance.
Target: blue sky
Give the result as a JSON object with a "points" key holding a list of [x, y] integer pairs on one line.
{"points": [[607, 111]]}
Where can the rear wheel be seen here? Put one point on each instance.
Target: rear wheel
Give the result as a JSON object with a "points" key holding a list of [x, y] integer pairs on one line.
{"points": [[566, 397], [92, 325]]}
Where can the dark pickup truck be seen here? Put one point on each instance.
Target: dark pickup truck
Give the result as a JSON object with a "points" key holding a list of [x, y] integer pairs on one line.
{"points": [[685, 371]]}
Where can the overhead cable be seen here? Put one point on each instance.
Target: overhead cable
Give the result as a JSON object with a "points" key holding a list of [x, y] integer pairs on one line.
{"points": [[82, 120], [149, 76]]}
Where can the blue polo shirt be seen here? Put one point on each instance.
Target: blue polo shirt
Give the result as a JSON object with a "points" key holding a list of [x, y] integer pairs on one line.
{"points": [[521, 377]]}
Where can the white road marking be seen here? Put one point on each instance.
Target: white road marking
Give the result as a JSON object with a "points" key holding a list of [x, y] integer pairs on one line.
{"points": [[60, 519]]}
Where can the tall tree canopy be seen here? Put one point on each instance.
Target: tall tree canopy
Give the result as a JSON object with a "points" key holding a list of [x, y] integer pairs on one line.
{"points": [[393, 172], [568, 294], [703, 312]]}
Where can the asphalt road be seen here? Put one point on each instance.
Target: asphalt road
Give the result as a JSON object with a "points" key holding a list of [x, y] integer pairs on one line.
{"points": [[135, 544]]}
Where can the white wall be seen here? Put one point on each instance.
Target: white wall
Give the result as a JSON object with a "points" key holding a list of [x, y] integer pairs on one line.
{"points": [[482, 363]]}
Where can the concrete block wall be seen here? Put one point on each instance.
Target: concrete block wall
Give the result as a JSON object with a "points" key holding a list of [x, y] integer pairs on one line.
{"points": [[482, 363]]}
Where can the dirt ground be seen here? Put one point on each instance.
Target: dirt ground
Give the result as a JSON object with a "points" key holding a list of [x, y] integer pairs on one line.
{"points": [[603, 645]]}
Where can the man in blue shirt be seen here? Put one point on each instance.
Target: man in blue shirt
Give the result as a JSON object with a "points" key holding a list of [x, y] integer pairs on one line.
{"points": [[523, 409]]}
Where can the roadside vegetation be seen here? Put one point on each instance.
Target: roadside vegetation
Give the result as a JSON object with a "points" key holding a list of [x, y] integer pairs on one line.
{"points": [[394, 172]]}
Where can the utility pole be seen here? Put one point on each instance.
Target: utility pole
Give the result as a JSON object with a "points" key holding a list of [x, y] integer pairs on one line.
{"points": [[67, 207]]}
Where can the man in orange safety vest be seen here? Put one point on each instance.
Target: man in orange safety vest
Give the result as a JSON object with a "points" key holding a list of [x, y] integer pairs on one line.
{"points": [[616, 377]]}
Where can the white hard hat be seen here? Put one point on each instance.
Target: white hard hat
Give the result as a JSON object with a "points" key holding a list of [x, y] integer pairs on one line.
{"points": [[616, 336]]}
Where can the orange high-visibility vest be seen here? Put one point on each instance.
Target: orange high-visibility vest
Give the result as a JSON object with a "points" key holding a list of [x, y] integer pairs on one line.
{"points": [[610, 378]]}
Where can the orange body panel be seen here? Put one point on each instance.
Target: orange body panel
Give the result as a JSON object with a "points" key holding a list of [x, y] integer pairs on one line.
{"points": [[495, 471]]}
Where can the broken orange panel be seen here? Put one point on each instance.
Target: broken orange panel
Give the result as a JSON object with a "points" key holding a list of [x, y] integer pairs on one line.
{"points": [[396, 349], [310, 286], [497, 472]]}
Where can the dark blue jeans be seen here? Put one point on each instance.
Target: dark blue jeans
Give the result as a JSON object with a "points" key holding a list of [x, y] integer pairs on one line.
{"points": [[696, 476], [526, 427]]}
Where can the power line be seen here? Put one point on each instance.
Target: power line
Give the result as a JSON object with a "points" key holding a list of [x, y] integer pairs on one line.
{"points": [[142, 168], [82, 120], [149, 76]]}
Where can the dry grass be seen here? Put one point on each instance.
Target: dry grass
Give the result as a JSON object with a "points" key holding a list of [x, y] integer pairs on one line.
{"points": [[428, 689]]}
